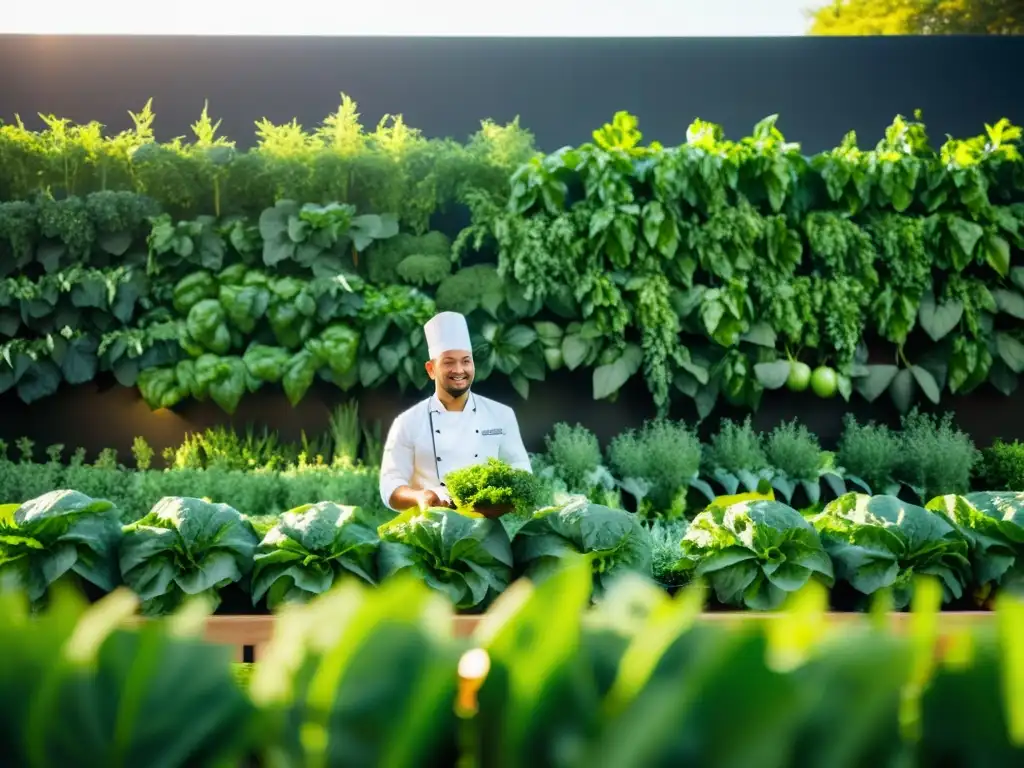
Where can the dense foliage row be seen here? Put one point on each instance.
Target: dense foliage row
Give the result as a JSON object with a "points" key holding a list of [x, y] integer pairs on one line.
{"points": [[543, 681], [662, 470], [393, 168], [718, 269], [188, 546], [724, 268], [753, 550]]}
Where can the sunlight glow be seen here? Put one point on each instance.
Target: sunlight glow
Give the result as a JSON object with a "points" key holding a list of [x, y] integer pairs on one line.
{"points": [[444, 18]]}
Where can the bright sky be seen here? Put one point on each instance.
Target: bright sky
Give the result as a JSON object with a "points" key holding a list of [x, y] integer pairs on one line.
{"points": [[513, 18]]}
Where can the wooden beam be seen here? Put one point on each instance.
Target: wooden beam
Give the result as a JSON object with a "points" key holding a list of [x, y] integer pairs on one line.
{"points": [[250, 634]]}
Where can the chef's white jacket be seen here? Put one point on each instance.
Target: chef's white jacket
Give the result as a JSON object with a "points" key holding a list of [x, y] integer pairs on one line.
{"points": [[426, 442]]}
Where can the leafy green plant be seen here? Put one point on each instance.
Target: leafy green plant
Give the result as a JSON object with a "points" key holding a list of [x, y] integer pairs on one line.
{"points": [[754, 554], [185, 547], [271, 484], [143, 453], [795, 455], [492, 487], [936, 458], [345, 432], [820, 284], [1002, 466], [318, 668], [391, 167], [792, 449], [993, 525], [58, 533], [880, 542], [656, 464], [421, 255], [575, 458], [588, 677], [736, 456], [76, 675], [613, 541], [310, 548], [735, 447], [869, 455], [666, 550], [467, 558]]}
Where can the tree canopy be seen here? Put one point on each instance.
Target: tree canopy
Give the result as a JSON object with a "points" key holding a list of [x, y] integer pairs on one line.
{"points": [[919, 17]]}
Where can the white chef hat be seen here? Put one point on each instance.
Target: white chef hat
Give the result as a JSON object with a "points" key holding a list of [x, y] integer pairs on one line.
{"points": [[447, 331]]}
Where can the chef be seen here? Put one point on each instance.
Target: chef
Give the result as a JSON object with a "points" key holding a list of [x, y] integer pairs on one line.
{"points": [[452, 429]]}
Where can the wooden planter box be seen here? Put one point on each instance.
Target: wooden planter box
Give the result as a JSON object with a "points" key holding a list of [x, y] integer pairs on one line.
{"points": [[248, 635]]}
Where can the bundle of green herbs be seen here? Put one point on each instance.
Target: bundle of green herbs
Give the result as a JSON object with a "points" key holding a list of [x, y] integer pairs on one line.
{"points": [[493, 489]]}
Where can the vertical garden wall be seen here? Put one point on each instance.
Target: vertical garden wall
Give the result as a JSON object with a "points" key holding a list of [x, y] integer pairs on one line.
{"points": [[115, 289]]}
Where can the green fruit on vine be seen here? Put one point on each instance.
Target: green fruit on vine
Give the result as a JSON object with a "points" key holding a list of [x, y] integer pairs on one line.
{"points": [[553, 356], [799, 376], [824, 381]]}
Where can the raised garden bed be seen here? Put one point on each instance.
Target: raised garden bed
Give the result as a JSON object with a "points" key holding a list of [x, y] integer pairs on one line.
{"points": [[249, 634]]}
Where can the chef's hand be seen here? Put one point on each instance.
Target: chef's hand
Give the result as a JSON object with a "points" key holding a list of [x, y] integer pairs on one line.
{"points": [[428, 499]]}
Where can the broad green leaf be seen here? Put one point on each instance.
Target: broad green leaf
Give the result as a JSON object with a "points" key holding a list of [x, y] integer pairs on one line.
{"points": [[1017, 277], [835, 483], [518, 337], [813, 490], [926, 382], [703, 487], [575, 351], [761, 334], [1009, 302], [1003, 378], [613, 540], [467, 558], [38, 382], [966, 235], [938, 320], [520, 384], [115, 243], [784, 486], [876, 382], [548, 332], [185, 546], [609, 379], [772, 375], [1011, 351], [997, 254], [533, 631], [600, 221], [698, 372], [79, 361], [653, 218], [902, 390]]}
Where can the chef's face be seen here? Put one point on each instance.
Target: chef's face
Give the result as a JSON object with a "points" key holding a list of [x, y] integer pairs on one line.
{"points": [[452, 371]]}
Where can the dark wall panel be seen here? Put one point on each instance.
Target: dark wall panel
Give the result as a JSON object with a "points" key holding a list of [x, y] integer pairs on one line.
{"points": [[96, 417], [562, 90]]}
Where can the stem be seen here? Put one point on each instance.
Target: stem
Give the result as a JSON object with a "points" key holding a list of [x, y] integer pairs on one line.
{"points": [[216, 196], [900, 357]]}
